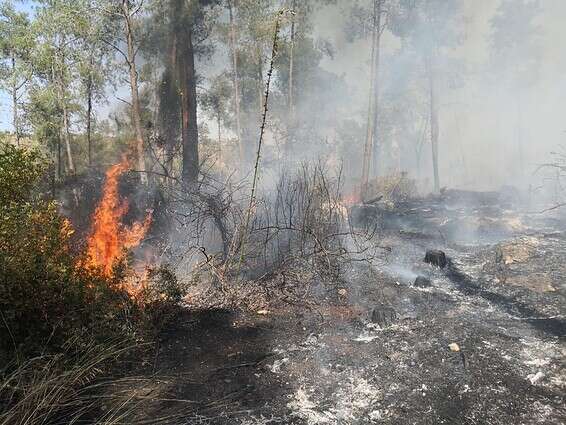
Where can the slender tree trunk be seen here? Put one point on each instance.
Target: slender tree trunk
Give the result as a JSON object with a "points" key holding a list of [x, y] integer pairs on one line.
{"points": [[65, 111], [434, 127], [15, 120], [376, 89], [67, 137], [372, 107], [219, 126], [236, 79], [89, 84], [189, 131], [260, 76], [172, 121], [136, 107], [291, 100], [59, 159]]}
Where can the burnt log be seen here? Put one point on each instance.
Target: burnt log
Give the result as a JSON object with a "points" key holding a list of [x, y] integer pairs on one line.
{"points": [[383, 315], [422, 282], [436, 258]]}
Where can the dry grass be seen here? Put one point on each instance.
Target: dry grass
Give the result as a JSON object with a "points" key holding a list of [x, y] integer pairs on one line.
{"points": [[394, 188], [64, 388]]}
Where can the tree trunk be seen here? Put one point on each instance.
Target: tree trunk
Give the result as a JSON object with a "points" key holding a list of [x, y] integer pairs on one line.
{"points": [[15, 120], [67, 137], [291, 118], [65, 110], [434, 128], [376, 88], [236, 80], [170, 117], [260, 76], [89, 85], [136, 107], [189, 130], [59, 159], [219, 126], [372, 105]]}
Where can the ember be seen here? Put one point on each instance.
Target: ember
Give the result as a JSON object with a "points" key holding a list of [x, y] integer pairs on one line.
{"points": [[109, 238]]}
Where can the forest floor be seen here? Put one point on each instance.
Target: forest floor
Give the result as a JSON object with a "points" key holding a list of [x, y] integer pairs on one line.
{"points": [[501, 300]]}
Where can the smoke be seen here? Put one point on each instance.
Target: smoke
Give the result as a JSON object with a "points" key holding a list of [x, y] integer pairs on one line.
{"points": [[496, 126]]}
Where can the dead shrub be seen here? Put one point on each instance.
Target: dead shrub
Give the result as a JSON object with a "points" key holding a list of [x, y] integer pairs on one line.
{"points": [[393, 188]]}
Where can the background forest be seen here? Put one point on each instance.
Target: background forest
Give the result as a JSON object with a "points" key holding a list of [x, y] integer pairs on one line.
{"points": [[411, 83]]}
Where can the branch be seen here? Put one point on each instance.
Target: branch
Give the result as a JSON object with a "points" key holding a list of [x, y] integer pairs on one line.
{"points": [[125, 101], [117, 49]]}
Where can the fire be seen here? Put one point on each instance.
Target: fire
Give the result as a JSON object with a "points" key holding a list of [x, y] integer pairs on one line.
{"points": [[351, 199], [109, 238]]}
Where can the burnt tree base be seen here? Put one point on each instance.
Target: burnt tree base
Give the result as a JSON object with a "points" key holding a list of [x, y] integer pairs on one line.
{"points": [[436, 258]]}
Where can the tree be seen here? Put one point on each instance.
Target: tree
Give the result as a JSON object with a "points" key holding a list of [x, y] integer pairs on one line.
{"points": [[95, 68], [178, 34], [215, 101], [16, 44], [373, 108], [59, 25], [129, 12], [428, 27], [515, 55], [232, 8], [127, 15], [255, 23], [371, 19]]}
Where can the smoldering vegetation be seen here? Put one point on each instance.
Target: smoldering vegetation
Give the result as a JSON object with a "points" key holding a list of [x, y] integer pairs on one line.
{"points": [[298, 212]]}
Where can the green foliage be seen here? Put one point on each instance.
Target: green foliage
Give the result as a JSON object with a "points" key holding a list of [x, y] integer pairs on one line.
{"points": [[45, 298], [20, 170], [161, 299]]}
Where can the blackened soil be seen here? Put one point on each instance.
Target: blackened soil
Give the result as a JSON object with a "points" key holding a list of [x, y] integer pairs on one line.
{"points": [[485, 344]]}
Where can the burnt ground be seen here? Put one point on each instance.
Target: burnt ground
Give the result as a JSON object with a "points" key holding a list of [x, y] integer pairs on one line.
{"points": [[501, 299]]}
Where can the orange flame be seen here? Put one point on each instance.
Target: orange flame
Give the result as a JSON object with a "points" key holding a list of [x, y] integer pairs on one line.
{"points": [[351, 199], [109, 238]]}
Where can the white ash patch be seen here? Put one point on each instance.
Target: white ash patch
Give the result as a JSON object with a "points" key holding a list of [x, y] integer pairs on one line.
{"points": [[356, 400], [369, 334], [544, 361], [302, 407], [277, 364], [312, 343], [353, 401], [366, 337]]}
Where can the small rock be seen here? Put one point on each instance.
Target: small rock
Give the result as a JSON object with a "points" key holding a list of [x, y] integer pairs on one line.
{"points": [[342, 292], [263, 312], [436, 258], [536, 378], [383, 315], [422, 282], [454, 347]]}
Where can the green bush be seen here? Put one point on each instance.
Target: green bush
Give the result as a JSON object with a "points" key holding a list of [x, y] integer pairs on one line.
{"points": [[160, 300], [45, 298]]}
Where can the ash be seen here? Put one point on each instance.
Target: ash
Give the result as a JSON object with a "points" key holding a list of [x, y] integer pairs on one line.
{"points": [[483, 344]]}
